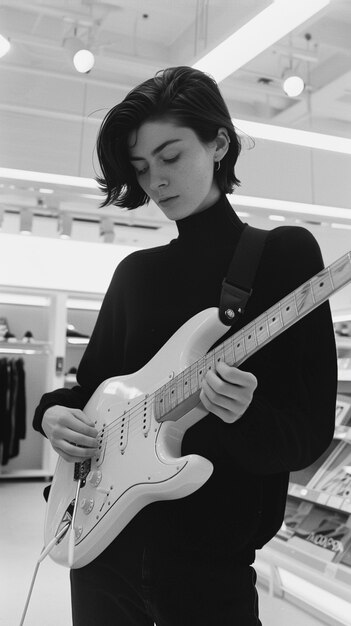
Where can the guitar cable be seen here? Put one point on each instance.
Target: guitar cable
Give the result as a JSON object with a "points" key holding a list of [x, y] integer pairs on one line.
{"points": [[47, 549]]}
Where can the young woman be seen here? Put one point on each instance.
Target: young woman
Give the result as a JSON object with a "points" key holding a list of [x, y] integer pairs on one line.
{"points": [[188, 562]]}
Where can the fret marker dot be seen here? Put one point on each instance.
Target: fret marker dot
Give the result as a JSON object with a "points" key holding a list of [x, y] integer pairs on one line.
{"points": [[321, 284]]}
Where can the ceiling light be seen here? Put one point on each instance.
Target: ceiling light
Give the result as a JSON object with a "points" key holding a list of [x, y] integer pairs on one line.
{"points": [[22, 299], [91, 305], [44, 190], [45, 177], [243, 214], [297, 137], [4, 46], [83, 59], [288, 206], [265, 29], [293, 84]]}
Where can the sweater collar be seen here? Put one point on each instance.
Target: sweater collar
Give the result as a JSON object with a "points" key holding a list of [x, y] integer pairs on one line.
{"points": [[219, 223]]}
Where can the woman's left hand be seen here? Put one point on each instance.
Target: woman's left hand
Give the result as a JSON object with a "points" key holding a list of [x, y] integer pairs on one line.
{"points": [[227, 392]]}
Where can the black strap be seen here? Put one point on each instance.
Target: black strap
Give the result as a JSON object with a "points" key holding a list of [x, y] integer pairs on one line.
{"points": [[237, 286]]}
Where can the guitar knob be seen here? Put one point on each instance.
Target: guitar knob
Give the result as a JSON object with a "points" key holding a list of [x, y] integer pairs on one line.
{"points": [[94, 478], [86, 505], [78, 531]]}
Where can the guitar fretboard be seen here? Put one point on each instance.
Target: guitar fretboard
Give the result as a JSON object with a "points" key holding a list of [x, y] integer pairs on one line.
{"points": [[249, 339]]}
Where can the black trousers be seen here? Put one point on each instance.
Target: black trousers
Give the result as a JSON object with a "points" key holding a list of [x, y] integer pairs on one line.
{"points": [[131, 584]]}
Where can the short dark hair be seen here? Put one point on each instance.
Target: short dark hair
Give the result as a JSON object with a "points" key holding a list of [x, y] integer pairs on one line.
{"points": [[185, 96]]}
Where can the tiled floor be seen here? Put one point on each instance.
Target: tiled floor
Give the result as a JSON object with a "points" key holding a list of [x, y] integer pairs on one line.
{"points": [[22, 510]]}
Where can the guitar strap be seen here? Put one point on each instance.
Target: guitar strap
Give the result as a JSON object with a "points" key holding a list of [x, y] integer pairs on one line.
{"points": [[237, 286]]}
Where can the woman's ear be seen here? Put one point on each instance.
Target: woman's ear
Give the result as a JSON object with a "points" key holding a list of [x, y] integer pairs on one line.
{"points": [[222, 142]]}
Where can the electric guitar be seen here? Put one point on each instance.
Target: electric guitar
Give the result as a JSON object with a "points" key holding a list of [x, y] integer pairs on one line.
{"points": [[142, 417]]}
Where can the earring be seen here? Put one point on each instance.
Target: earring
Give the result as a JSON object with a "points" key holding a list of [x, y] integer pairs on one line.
{"points": [[218, 166]]}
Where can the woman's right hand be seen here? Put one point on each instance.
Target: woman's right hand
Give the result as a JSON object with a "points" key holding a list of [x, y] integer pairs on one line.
{"points": [[71, 433]]}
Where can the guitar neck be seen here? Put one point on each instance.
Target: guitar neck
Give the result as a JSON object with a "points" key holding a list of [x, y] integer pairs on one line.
{"points": [[258, 333]]}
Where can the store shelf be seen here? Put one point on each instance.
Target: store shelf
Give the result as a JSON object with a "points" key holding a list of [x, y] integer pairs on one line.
{"points": [[344, 375], [25, 347], [320, 571], [319, 497], [322, 588], [343, 342]]}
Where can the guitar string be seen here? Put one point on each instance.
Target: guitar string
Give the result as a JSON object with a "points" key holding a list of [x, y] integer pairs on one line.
{"points": [[228, 344], [135, 412], [241, 336]]}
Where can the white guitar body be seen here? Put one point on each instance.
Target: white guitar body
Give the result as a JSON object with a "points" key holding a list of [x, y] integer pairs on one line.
{"points": [[139, 459], [142, 418]]}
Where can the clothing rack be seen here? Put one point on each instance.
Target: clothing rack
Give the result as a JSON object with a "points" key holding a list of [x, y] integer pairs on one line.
{"points": [[13, 407], [20, 349]]}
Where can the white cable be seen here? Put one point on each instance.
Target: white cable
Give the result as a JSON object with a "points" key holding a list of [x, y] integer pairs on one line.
{"points": [[45, 551], [72, 531]]}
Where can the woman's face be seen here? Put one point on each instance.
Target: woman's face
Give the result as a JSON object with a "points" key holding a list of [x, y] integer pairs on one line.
{"points": [[174, 168]]}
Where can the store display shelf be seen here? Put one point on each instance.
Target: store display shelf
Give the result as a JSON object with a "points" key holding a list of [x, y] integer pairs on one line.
{"points": [[343, 433], [320, 497], [343, 342], [25, 347], [321, 586], [344, 374]]}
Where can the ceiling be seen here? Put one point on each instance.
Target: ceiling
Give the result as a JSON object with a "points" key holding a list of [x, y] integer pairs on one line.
{"points": [[131, 40]]}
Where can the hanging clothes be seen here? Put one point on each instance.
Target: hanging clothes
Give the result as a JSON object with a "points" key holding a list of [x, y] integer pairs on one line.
{"points": [[12, 408]]}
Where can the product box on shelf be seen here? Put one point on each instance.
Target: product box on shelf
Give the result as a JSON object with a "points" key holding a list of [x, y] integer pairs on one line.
{"points": [[343, 418], [295, 513], [323, 532]]}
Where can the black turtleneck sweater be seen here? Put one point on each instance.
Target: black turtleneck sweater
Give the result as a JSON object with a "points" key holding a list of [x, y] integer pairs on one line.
{"points": [[290, 420]]}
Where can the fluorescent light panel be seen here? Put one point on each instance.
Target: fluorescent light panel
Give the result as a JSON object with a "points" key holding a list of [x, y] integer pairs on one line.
{"points": [[265, 29], [341, 316], [287, 206], [91, 305], [293, 136], [44, 177], [23, 299], [17, 351]]}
